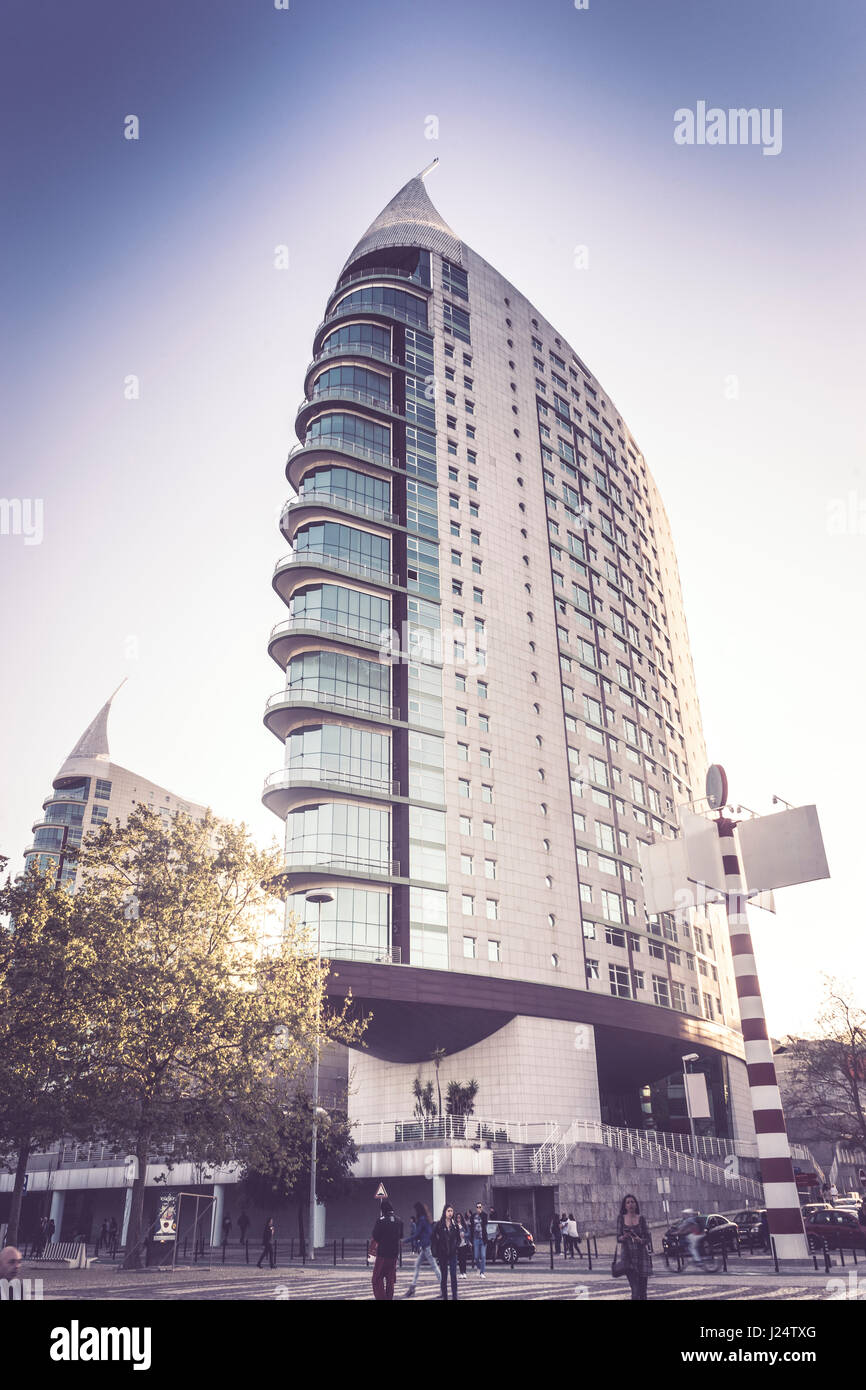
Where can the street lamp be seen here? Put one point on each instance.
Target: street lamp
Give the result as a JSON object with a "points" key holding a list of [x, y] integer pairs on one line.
{"points": [[318, 899], [689, 1057]]}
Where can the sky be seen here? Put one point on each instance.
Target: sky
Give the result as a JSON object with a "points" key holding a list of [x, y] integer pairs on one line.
{"points": [[718, 297]]}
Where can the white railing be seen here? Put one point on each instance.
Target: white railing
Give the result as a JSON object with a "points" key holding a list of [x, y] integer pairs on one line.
{"points": [[322, 559], [317, 496], [331, 628], [299, 695], [467, 1128]]}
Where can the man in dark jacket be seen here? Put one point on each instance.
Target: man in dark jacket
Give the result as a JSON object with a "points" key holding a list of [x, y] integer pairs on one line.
{"points": [[479, 1238], [387, 1233]]}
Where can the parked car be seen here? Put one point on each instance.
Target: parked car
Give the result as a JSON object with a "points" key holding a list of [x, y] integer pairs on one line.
{"points": [[811, 1207], [509, 1241], [721, 1233], [749, 1225], [835, 1227]]}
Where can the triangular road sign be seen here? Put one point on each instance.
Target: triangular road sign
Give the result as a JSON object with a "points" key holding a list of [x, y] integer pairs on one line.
{"points": [[380, 1191]]}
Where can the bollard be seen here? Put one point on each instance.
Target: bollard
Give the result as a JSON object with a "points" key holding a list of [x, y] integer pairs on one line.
{"points": [[595, 1246], [841, 1256], [335, 1254], [725, 1256], [775, 1255], [247, 1250], [826, 1258], [854, 1253], [551, 1252], [224, 1252], [589, 1253]]}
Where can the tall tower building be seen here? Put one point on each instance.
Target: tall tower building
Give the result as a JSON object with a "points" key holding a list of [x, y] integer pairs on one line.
{"points": [[87, 790], [488, 703]]}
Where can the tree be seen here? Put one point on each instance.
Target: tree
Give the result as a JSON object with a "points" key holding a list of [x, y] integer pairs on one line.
{"points": [[437, 1056], [425, 1105], [206, 1001], [46, 1068], [460, 1099], [277, 1155], [828, 1071]]}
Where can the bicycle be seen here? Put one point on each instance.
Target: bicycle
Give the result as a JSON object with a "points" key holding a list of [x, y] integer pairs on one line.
{"points": [[707, 1261]]}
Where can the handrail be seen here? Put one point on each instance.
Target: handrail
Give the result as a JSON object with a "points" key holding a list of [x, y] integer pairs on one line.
{"points": [[321, 559], [374, 270], [286, 776], [324, 495], [309, 694], [339, 444], [346, 393], [330, 627], [355, 350], [300, 862], [388, 311]]}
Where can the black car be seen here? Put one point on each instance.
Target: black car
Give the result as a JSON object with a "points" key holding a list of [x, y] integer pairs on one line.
{"points": [[720, 1232], [508, 1241], [750, 1226]]}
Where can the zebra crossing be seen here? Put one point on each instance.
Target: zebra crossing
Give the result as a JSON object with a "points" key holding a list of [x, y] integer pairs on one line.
{"points": [[523, 1285]]}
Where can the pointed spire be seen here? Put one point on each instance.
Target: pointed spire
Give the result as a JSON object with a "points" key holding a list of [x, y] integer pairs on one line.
{"points": [[410, 219], [94, 741]]}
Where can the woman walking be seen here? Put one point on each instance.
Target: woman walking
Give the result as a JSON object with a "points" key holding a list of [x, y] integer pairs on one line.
{"points": [[268, 1244], [574, 1236], [421, 1235], [566, 1243], [445, 1245], [633, 1237]]}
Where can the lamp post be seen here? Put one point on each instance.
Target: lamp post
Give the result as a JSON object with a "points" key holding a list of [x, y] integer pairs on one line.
{"points": [[318, 899], [689, 1057]]}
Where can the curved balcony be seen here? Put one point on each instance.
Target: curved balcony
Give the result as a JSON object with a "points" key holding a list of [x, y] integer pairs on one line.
{"points": [[289, 785], [379, 272], [322, 862], [290, 570], [66, 798], [341, 503], [378, 312], [343, 394], [287, 636], [289, 708], [323, 447], [367, 350]]}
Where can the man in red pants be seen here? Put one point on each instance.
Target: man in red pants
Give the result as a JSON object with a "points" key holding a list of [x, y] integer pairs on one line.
{"points": [[387, 1233]]}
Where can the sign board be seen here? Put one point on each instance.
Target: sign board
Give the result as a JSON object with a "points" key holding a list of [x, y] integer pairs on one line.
{"points": [[380, 1191], [780, 850], [698, 1100], [166, 1220]]}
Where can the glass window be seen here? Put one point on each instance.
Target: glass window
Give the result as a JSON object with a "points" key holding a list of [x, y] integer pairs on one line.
{"points": [[467, 902], [102, 790], [469, 947], [492, 908], [386, 300], [465, 825], [494, 950]]}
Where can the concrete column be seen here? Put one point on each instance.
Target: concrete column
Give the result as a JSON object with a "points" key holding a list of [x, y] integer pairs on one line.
{"points": [[216, 1228], [438, 1196], [127, 1210], [58, 1201]]}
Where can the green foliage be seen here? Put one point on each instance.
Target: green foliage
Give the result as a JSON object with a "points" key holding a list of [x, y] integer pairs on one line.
{"points": [[425, 1105], [828, 1071], [278, 1148], [460, 1099]]}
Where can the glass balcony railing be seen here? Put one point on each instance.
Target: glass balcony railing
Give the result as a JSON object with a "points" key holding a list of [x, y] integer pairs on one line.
{"points": [[309, 497], [341, 445], [301, 860], [315, 695], [372, 955], [321, 559], [306, 623], [383, 271], [346, 393], [290, 776], [354, 350], [388, 311]]}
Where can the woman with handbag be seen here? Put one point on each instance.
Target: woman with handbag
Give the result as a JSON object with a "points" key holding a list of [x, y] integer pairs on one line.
{"points": [[633, 1256], [445, 1245]]}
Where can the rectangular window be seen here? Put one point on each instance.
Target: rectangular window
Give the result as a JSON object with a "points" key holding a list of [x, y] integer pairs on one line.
{"points": [[614, 937], [492, 905], [637, 977], [466, 863], [490, 868], [465, 825], [462, 715], [620, 984], [463, 752], [678, 995], [463, 786], [456, 321], [494, 950], [482, 690], [489, 831], [484, 723], [469, 947], [103, 790], [661, 991], [468, 904], [486, 792], [455, 280], [592, 970]]}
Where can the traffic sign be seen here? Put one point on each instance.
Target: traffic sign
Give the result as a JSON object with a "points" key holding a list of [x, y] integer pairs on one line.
{"points": [[380, 1191]]}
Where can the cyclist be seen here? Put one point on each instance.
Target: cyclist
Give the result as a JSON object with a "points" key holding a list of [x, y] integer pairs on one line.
{"points": [[690, 1231]]}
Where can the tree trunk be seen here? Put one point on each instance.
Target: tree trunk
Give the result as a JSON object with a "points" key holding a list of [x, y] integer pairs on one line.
{"points": [[132, 1258], [18, 1193]]}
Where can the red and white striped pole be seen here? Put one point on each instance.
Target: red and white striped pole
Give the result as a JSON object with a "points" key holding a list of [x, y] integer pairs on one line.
{"points": [[784, 1216]]}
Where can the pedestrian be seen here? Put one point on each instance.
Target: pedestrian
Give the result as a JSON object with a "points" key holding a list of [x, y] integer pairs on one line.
{"points": [[479, 1239], [387, 1235], [563, 1231], [445, 1245], [103, 1236], [555, 1233], [764, 1234], [632, 1234], [422, 1233], [463, 1245], [243, 1226], [227, 1230], [574, 1236], [268, 1236], [39, 1242], [113, 1234], [50, 1228], [10, 1265]]}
